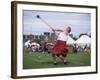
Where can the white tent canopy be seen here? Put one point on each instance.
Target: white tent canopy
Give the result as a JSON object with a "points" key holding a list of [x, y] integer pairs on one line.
{"points": [[83, 40], [70, 40]]}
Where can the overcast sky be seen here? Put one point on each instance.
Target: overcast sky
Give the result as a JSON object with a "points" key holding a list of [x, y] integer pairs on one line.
{"points": [[79, 22]]}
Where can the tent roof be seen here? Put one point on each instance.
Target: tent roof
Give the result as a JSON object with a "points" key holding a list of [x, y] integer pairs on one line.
{"points": [[84, 39], [70, 40]]}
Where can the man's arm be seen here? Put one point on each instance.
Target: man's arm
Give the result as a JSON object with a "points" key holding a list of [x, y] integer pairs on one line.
{"points": [[59, 30]]}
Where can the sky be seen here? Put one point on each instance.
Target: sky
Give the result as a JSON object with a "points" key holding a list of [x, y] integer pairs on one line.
{"points": [[79, 22]]}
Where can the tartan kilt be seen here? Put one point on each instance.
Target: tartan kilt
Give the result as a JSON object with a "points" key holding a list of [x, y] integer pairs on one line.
{"points": [[60, 48]]}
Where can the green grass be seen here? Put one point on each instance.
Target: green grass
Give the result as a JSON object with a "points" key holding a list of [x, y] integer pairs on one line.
{"points": [[40, 60]]}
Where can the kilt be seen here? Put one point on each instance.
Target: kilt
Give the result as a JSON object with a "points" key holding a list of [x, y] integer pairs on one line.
{"points": [[60, 48]]}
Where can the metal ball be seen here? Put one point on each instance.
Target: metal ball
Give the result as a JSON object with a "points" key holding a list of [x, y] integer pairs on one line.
{"points": [[38, 16]]}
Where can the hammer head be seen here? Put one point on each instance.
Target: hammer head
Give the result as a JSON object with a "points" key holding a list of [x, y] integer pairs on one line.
{"points": [[38, 16]]}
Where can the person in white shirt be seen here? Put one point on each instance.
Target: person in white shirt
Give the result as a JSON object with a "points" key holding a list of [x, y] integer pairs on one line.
{"points": [[27, 44], [60, 48]]}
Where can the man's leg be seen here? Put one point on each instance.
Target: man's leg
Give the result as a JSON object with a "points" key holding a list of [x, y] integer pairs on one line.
{"points": [[63, 58], [54, 59]]}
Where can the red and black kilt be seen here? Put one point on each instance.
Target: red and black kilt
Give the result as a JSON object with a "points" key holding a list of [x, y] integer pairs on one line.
{"points": [[60, 48]]}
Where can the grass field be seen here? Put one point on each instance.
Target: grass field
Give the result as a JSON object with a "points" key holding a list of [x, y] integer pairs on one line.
{"points": [[44, 60]]}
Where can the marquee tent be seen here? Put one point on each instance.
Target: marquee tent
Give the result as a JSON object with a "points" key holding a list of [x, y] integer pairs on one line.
{"points": [[70, 40], [83, 40]]}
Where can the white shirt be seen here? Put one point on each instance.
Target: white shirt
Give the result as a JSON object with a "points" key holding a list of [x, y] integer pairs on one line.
{"points": [[62, 37], [27, 43]]}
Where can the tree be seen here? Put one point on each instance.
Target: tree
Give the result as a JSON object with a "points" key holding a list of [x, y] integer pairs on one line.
{"points": [[75, 38]]}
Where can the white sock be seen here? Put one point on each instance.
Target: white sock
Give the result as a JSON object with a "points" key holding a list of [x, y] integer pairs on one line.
{"points": [[65, 60], [55, 61]]}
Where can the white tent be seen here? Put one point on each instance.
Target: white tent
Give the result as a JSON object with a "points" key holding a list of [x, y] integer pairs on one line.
{"points": [[83, 40], [70, 40]]}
